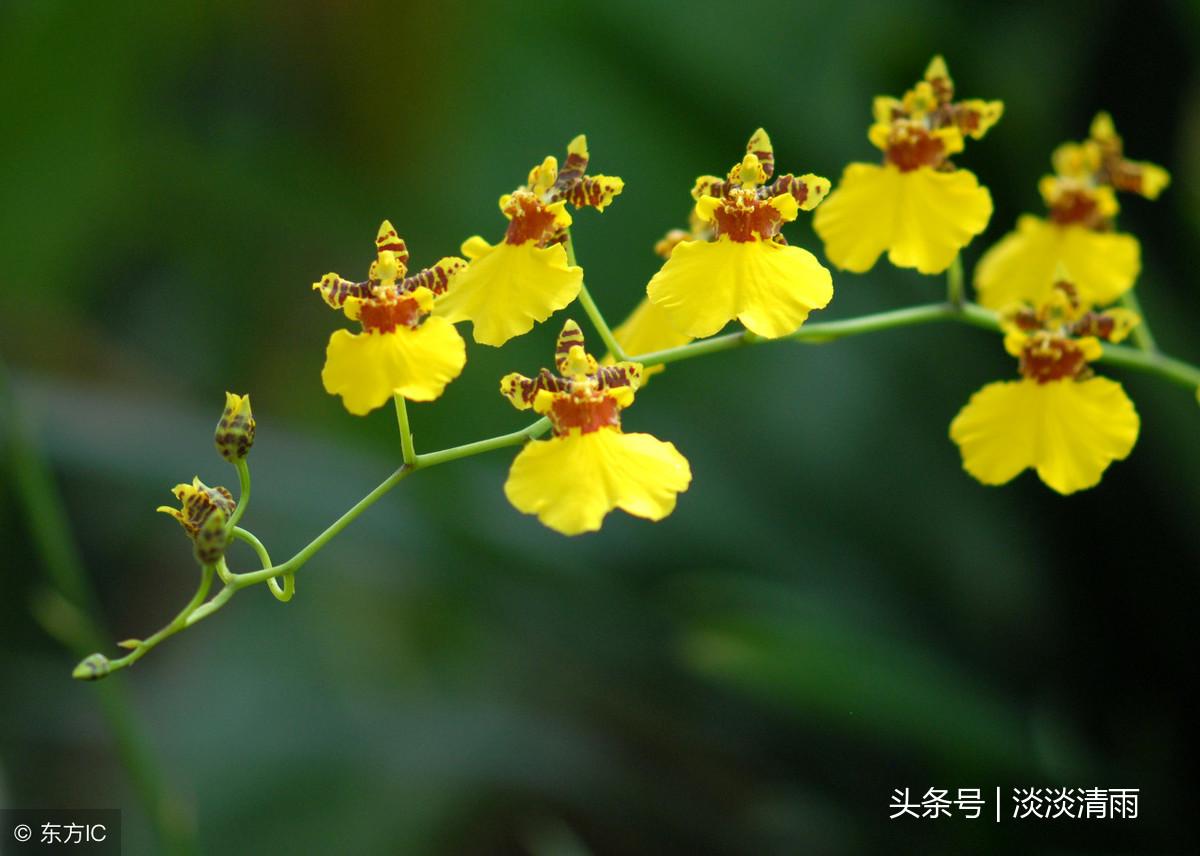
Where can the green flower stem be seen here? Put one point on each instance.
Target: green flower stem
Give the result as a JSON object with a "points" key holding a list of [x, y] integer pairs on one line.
{"points": [[249, 538], [814, 333], [432, 459], [282, 593], [820, 332], [593, 311], [954, 282], [243, 471], [1155, 363], [223, 571], [178, 623], [240, 581], [1141, 332], [407, 450]]}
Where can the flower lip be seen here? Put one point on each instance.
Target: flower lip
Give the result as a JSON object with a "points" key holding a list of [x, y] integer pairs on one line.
{"points": [[914, 148], [742, 217], [384, 316], [530, 220], [584, 414], [1046, 357], [1078, 206]]}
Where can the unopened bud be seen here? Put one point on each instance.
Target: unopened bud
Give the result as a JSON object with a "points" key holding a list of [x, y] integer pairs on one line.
{"points": [[235, 432], [91, 668]]}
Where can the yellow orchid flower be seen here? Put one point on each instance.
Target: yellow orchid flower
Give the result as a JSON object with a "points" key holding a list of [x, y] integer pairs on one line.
{"points": [[523, 280], [1059, 419], [916, 206], [588, 467], [744, 269], [1078, 234], [401, 350]]}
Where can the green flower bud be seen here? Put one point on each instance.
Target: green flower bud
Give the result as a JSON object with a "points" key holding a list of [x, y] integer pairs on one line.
{"points": [[235, 432], [92, 668]]}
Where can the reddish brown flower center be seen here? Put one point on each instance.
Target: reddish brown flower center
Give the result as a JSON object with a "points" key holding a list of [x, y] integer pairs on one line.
{"points": [[914, 149], [586, 414], [531, 220], [384, 316], [746, 219], [1076, 206], [1046, 357]]}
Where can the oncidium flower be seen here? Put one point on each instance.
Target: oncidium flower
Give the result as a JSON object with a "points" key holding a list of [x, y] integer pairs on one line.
{"points": [[745, 268], [235, 432], [523, 280], [402, 350], [1059, 419], [916, 205], [588, 466], [1079, 231], [203, 513]]}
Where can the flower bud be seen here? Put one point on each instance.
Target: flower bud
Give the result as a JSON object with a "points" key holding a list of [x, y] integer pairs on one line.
{"points": [[235, 432], [204, 513], [92, 668]]}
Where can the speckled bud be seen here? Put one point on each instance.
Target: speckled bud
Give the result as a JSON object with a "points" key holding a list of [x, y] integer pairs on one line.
{"points": [[235, 432]]}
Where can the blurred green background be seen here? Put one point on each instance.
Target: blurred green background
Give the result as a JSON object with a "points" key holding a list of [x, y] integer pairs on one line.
{"points": [[834, 610]]}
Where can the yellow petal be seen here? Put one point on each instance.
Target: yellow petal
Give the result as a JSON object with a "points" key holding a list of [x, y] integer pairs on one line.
{"points": [[366, 369], [1066, 430], [572, 482], [507, 288], [1024, 265], [769, 287], [922, 218]]}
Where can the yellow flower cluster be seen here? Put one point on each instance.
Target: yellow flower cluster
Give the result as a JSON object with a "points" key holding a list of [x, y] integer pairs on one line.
{"points": [[1078, 234], [733, 264]]}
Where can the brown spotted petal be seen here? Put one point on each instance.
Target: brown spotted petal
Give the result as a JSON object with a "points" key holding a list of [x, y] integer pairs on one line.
{"points": [[203, 515], [335, 291], [436, 278]]}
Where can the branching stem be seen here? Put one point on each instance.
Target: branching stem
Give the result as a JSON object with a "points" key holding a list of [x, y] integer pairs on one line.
{"points": [[1145, 358]]}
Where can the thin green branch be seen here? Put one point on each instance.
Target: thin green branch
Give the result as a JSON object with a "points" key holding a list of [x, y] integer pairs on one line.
{"points": [[407, 450], [814, 333], [1142, 336], [954, 282], [243, 471], [593, 311], [432, 459], [179, 622]]}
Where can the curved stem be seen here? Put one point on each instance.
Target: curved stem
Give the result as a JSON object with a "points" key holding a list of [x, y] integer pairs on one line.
{"points": [[178, 623], [293, 564], [407, 451], [282, 593], [964, 312], [593, 311], [243, 471]]}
